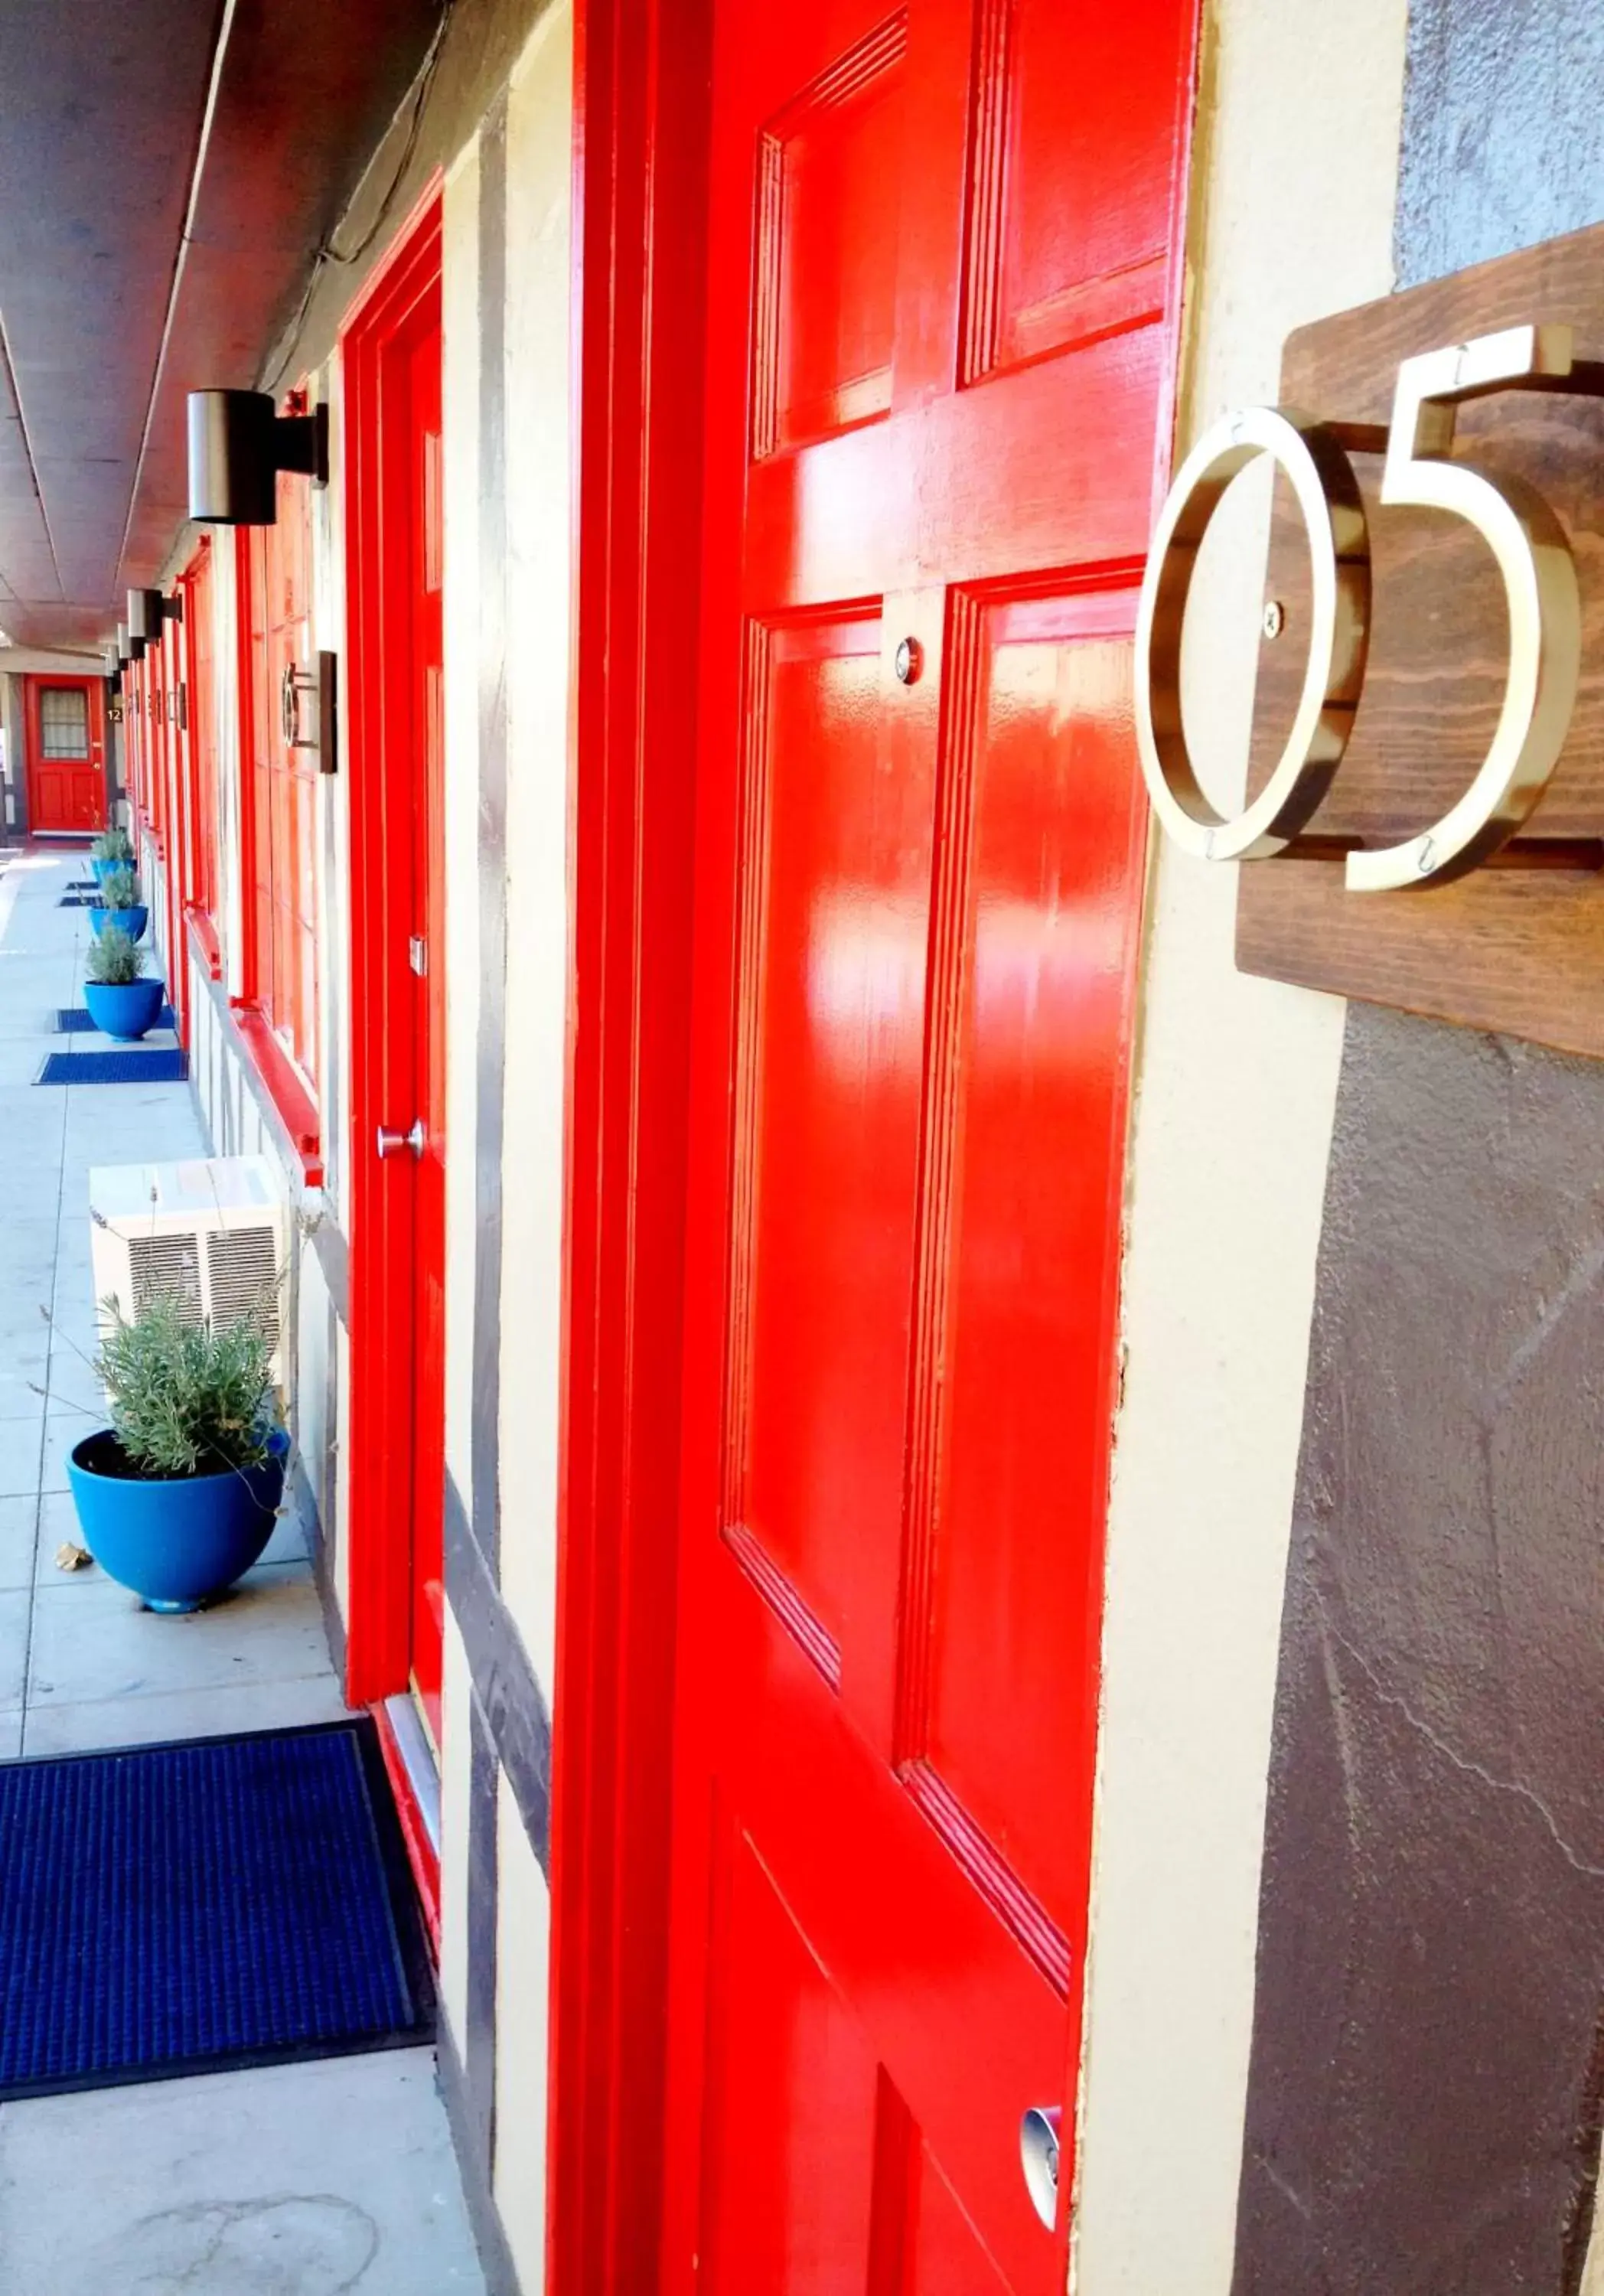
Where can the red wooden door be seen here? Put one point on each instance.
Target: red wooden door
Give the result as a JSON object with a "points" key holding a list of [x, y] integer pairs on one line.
{"points": [[66, 757], [424, 444], [394, 511], [942, 292]]}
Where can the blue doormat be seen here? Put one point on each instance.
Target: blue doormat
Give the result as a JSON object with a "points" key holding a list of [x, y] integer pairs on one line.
{"points": [[79, 900], [72, 1020], [137, 1066], [196, 1907]]}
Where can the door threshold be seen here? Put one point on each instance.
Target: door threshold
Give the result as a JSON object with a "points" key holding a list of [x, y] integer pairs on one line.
{"points": [[415, 1782]]}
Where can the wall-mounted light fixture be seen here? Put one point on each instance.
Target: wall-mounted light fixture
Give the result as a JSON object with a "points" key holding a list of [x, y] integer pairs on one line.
{"points": [[112, 661], [148, 610], [238, 443], [128, 649]]}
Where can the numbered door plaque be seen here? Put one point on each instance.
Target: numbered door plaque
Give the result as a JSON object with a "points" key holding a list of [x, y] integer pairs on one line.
{"points": [[1424, 823]]}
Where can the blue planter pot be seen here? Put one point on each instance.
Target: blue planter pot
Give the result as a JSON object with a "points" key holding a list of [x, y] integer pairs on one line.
{"points": [[174, 1543], [100, 870], [125, 1009], [133, 921]]}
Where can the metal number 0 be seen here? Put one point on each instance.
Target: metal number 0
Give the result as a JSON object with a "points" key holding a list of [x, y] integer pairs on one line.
{"points": [[1534, 559], [1333, 515]]}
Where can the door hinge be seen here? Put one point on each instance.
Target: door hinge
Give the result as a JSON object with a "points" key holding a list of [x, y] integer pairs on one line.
{"points": [[417, 954]]}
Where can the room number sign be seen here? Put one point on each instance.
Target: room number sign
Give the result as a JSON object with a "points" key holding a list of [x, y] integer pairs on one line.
{"points": [[1535, 563]]}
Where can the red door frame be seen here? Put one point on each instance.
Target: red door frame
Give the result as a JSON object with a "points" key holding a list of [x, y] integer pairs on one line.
{"points": [[378, 1644], [200, 718], [641, 80], [639, 146], [32, 685], [179, 766]]}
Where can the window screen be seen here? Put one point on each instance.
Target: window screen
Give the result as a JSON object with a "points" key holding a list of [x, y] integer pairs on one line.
{"points": [[64, 721]]}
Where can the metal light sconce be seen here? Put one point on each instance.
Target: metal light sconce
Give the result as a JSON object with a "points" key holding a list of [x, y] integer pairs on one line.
{"points": [[309, 709], [148, 610], [238, 443], [112, 662], [128, 649]]}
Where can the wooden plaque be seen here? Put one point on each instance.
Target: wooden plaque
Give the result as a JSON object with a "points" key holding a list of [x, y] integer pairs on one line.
{"points": [[1518, 944]]}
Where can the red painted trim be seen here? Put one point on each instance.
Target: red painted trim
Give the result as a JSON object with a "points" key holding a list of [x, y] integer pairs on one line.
{"points": [[420, 1850], [245, 794], [201, 889], [379, 1636], [641, 96], [204, 941], [287, 1088]]}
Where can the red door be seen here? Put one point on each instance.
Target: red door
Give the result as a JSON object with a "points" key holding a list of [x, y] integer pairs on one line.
{"points": [[421, 377], [392, 351], [944, 265], [66, 757], [174, 751]]}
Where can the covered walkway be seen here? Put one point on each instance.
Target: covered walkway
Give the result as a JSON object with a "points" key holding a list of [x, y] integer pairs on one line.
{"points": [[313, 2178]]}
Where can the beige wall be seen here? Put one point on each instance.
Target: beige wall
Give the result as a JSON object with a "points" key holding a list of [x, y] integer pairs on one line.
{"points": [[1291, 217], [538, 173], [539, 545], [460, 319]]}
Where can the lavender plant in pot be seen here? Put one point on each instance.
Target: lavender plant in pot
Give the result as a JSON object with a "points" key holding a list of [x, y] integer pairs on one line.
{"points": [[119, 904], [177, 1496], [121, 1002], [113, 849]]}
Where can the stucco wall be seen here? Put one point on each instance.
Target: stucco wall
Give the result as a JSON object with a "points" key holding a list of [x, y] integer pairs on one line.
{"points": [[1291, 217], [508, 567]]}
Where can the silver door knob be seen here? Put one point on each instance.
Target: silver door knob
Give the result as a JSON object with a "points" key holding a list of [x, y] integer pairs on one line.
{"points": [[1039, 2159], [392, 1144]]}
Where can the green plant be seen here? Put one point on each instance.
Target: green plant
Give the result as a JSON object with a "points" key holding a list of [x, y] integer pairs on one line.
{"points": [[113, 845], [119, 890], [114, 960], [187, 1399]]}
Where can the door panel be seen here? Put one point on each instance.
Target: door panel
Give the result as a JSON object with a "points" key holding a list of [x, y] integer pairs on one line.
{"points": [[826, 312], [790, 2182], [941, 299], [1073, 191], [1027, 1047], [832, 1002]]}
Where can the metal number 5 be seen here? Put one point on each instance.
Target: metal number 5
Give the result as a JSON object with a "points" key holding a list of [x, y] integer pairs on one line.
{"points": [[1535, 562], [1539, 578]]}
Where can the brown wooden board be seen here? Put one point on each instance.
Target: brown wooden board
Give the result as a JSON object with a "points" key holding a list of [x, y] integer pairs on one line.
{"points": [[1518, 946]]}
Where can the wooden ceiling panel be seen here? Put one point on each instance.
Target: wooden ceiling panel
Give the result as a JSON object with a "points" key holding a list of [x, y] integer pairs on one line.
{"points": [[109, 316]]}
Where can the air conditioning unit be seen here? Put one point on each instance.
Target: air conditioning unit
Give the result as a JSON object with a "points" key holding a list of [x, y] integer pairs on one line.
{"points": [[213, 1233]]}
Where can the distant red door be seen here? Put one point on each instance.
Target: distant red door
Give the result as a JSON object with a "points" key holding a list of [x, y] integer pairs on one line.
{"points": [[66, 756], [393, 379], [942, 294]]}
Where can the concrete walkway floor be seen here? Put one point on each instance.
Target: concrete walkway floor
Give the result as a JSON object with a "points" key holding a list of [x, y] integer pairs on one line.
{"points": [[304, 2180]]}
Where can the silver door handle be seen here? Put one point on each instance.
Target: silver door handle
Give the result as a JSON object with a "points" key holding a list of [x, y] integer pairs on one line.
{"points": [[1039, 2159], [391, 1143]]}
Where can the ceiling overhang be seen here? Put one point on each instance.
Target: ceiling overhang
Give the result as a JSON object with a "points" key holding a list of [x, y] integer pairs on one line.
{"points": [[168, 169]]}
